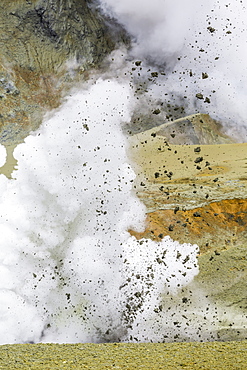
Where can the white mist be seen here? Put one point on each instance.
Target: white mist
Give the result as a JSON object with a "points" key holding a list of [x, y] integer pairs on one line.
{"points": [[200, 45], [70, 272]]}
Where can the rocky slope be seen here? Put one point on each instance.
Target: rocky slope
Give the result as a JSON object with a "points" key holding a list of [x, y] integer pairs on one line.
{"points": [[190, 176], [45, 47], [198, 194]]}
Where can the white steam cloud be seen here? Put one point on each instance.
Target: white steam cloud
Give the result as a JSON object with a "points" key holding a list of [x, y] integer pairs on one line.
{"points": [[70, 272], [201, 46], [158, 27], [69, 269]]}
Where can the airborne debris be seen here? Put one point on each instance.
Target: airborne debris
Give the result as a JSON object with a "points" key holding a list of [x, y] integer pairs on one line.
{"points": [[169, 174], [211, 29], [199, 96], [198, 159], [196, 214]]}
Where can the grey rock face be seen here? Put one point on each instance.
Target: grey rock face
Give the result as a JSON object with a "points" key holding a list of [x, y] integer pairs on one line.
{"points": [[191, 130], [37, 39], [70, 28]]}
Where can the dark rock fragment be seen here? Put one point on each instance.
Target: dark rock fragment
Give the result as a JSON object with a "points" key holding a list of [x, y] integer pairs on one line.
{"points": [[196, 214], [199, 96], [198, 159], [211, 29], [156, 111]]}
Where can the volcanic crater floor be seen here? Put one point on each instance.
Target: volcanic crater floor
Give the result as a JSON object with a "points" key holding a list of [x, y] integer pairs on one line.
{"points": [[149, 356], [198, 194]]}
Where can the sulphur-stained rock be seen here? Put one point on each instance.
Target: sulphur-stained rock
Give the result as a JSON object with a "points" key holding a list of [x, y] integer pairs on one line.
{"points": [[220, 231], [45, 46], [215, 227], [198, 194], [191, 177], [194, 193]]}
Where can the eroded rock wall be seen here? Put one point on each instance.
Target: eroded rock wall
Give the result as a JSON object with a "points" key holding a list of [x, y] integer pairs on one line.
{"points": [[45, 46]]}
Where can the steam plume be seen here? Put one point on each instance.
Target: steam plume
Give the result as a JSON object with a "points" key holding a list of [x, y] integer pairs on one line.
{"points": [[201, 46]]}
